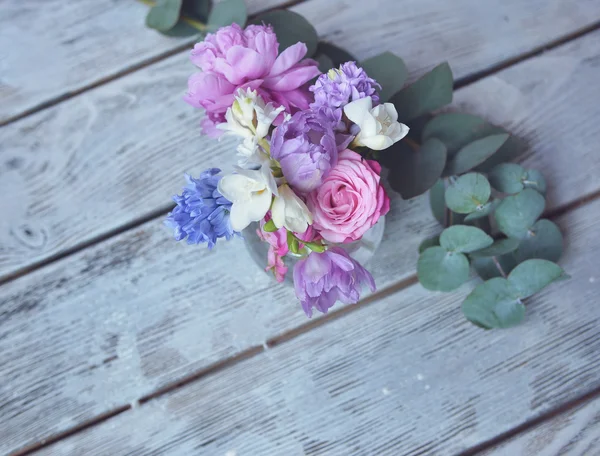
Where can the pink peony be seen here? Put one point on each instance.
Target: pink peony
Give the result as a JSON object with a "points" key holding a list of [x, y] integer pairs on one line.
{"points": [[278, 248], [350, 200], [235, 58]]}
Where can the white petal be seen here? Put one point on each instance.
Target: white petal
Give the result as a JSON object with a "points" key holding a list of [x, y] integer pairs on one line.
{"points": [[238, 216], [377, 142], [356, 110], [278, 212], [397, 131], [237, 187], [391, 111], [268, 179], [259, 204]]}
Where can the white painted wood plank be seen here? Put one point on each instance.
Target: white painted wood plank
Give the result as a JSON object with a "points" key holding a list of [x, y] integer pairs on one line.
{"points": [[405, 375], [142, 311], [52, 48], [119, 151], [575, 433]]}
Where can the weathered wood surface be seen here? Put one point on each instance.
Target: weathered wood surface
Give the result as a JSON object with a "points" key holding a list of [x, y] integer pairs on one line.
{"points": [[404, 375], [52, 48], [116, 153], [575, 433], [138, 311]]}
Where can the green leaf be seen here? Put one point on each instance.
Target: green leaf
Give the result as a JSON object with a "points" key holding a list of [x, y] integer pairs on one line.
{"points": [[508, 178], [290, 29], [489, 267], [429, 242], [535, 180], [492, 304], [464, 239], [440, 270], [456, 130], [432, 91], [498, 248], [325, 63], [293, 243], [164, 15], [544, 241], [182, 29], [315, 247], [475, 153], [226, 12], [437, 201], [510, 150], [468, 193], [197, 9], [532, 276], [413, 172], [270, 227], [389, 71], [336, 54], [516, 214], [483, 211]]}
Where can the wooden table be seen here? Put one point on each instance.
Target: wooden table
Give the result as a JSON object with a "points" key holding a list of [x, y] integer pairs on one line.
{"points": [[116, 340]]}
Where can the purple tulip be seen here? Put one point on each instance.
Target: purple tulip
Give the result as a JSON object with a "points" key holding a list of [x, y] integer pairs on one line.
{"points": [[321, 279]]}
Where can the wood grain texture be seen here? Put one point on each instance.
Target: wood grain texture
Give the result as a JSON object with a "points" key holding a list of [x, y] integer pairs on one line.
{"points": [[406, 375], [143, 312], [115, 154], [51, 48], [576, 433]]}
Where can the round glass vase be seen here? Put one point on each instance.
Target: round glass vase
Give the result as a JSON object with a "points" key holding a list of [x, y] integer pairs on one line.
{"points": [[362, 250]]}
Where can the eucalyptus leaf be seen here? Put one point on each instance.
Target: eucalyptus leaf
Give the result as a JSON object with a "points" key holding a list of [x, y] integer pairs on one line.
{"points": [[516, 214], [468, 193], [498, 248], [544, 241], [413, 172], [437, 201], [183, 29], [508, 178], [464, 239], [490, 267], [492, 304], [432, 91], [226, 12], [510, 150], [535, 180], [440, 270], [389, 71], [325, 62], [476, 153], [456, 130], [532, 276], [336, 54], [487, 209], [197, 9], [164, 15], [291, 28], [429, 242]]}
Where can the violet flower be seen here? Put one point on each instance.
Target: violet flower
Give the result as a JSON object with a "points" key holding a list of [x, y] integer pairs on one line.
{"points": [[321, 279], [306, 149]]}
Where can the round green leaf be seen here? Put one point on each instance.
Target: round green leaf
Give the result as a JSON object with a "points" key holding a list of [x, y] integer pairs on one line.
{"points": [[226, 12], [476, 153], [508, 177], [543, 241], [468, 193], [389, 71], [432, 91], [429, 242], [498, 248], [336, 54], [290, 29], [325, 63], [535, 180], [464, 238], [489, 267], [197, 9], [483, 211], [510, 150], [440, 270], [492, 304], [413, 172], [437, 201], [516, 214], [164, 15], [456, 130], [532, 276]]}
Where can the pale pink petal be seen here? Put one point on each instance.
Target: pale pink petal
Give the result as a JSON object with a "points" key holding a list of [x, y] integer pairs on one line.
{"points": [[288, 58]]}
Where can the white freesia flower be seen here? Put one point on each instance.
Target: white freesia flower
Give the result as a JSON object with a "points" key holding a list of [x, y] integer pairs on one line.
{"points": [[251, 154], [289, 210], [379, 126], [250, 192]]}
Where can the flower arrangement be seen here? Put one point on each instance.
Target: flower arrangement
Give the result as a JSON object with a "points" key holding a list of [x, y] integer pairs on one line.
{"points": [[315, 127]]}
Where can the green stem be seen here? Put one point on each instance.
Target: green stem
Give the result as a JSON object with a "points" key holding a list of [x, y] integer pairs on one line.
{"points": [[499, 267], [412, 143]]}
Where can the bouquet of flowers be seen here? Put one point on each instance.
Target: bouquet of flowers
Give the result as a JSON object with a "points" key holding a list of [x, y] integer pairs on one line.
{"points": [[313, 135]]}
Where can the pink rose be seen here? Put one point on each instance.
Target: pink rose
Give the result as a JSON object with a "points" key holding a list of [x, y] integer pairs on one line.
{"points": [[350, 200]]}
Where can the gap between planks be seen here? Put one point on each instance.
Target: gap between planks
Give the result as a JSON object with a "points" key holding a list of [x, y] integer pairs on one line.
{"points": [[119, 74], [292, 334], [161, 212]]}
